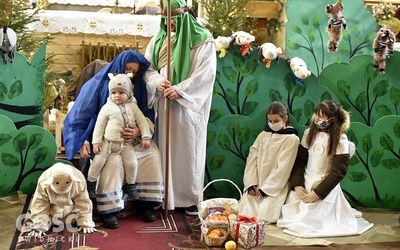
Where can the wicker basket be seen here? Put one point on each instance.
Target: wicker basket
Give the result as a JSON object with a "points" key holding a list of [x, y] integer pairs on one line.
{"points": [[215, 242], [204, 205]]}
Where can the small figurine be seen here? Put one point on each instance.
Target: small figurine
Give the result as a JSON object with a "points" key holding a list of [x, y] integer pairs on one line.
{"points": [[299, 68], [334, 29], [221, 44], [383, 48], [244, 39], [270, 52], [8, 40], [60, 193]]}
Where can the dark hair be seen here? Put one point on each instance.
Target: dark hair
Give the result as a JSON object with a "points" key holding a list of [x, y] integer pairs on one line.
{"points": [[338, 114], [278, 108]]}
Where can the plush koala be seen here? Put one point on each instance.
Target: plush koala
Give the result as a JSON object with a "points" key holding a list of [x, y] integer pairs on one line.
{"points": [[269, 52], [221, 44], [334, 29], [299, 68], [61, 192], [8, 39], [244, 39], [383, 48]]}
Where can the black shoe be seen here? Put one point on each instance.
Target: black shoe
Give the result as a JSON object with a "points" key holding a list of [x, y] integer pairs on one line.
{"points": [[192, 210], [91, 188], [110, 221], [131, 191], [146, 209]]}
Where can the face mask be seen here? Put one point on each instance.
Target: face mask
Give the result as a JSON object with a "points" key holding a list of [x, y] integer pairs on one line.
{"points": [[322, 124], [275, 127]]}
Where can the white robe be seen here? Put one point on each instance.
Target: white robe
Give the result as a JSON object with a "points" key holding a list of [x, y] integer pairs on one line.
{"points": [[188, 118], [268, 166], [332, 216]]}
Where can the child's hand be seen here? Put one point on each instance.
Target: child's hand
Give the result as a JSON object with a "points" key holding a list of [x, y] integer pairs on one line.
{"points": [[252, 191], [146, 144], [96, 149], [310, 197], [300, 191]]}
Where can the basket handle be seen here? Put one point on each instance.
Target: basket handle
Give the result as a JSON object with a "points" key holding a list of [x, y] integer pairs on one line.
{"points": [[218, 180]]}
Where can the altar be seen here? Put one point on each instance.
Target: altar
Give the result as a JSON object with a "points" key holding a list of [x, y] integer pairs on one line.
{"points": [[73, 22], [80, 37]]}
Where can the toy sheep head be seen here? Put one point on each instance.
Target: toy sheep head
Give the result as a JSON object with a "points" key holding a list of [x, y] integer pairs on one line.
{"points": [[8, 41], [242, 38], [299, 68], [62, 178], [222, 42], [269, 52], [221, 45]]}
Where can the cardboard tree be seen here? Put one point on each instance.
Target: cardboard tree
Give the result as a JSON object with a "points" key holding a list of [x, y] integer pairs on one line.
{"points": [[22, 89], [26, 148]]}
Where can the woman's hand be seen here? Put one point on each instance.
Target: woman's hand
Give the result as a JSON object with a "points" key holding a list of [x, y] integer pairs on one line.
{"points": [[300, 191], [310, 197], [129, 133], [85, 150]]}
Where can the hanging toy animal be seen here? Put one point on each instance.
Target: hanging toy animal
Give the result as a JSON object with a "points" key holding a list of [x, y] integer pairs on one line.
{"points": [[299, 68], [383, 48], [222, 44], [8, 40], [334, 29], [244, 39], [270, 52]]}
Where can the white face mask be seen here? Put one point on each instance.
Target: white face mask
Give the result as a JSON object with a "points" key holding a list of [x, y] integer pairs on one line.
{"points": [[276, 127]]}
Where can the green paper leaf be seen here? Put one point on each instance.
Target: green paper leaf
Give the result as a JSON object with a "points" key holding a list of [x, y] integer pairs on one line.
{"points": [[9, 160]]}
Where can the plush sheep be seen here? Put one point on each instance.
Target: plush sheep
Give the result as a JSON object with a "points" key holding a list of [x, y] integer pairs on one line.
{"points": [[334, 29], [269, 52], [8, 39], [221, 45], [383, 48], [60, 193], [299, 68], [244, 39]]}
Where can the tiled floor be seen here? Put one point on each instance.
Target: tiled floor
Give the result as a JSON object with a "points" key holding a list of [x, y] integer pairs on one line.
{"points": [[386, 228]]}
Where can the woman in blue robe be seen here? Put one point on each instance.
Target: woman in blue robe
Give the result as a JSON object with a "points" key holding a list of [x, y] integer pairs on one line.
{"points": [[78, 129]]}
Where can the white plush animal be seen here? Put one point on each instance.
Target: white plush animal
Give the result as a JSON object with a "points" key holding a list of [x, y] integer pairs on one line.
{"points": [[299, 68], [270, 52], [244, 39], [61, 193], [221, 45], [8, 39]]}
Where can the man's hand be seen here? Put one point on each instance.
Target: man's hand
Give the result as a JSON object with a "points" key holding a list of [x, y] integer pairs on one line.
{"points": [[37, 233], [310, 197], [171, 93], [163, 84], [85, 150], [300, 191], [87, 230]]}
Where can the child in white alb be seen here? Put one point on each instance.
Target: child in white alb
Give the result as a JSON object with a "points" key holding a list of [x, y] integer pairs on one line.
{"points": [[120, 111]]}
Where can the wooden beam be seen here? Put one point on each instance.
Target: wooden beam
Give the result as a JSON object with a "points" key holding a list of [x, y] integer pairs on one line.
{"points": [[261, 9]]}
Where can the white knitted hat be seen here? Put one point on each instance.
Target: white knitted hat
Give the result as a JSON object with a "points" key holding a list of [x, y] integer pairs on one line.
{"points": [[120, 82]]}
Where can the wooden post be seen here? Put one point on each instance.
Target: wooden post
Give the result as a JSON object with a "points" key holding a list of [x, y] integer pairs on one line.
{"points": [[167, 107]]}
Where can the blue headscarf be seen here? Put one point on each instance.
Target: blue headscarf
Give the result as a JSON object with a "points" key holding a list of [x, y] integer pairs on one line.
{"points": [[80, 121]]}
